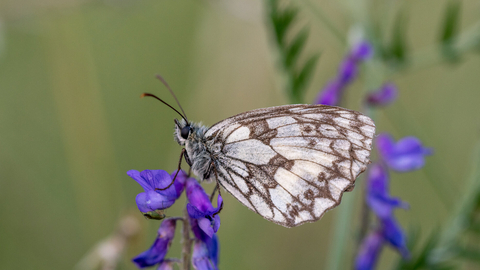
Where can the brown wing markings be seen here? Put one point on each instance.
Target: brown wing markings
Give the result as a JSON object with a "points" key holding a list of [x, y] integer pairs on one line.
{"points": [[266, 199], [278, 110]]}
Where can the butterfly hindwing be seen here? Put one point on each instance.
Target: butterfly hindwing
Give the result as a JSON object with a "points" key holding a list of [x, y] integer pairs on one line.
{"points": [[291, 164]]}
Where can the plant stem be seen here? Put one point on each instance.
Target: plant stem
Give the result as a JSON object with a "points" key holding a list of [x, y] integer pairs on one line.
{"points": [[187, 242], [364, 219], [342, 224]]}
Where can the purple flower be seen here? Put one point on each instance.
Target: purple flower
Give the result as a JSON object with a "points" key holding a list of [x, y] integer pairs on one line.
{"points": [[166, 265], [200, 207], [407, 154], [211, 242], [362, 51], [152, 200], [347, 72], [159, 249], [382, 204], [393, 234], [201, 259], [331, 93], [369, 251], [383, 96], [378, 197]]}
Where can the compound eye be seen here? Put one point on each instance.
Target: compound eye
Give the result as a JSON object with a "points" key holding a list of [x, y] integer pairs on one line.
{"points": [[185, 131]]}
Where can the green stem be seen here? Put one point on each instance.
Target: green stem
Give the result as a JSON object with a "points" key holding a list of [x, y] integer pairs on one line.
{"points": [[342, 223]]}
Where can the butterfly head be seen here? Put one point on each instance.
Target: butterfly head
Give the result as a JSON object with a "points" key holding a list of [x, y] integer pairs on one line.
{"points": [[188, 131], [182, 131]]}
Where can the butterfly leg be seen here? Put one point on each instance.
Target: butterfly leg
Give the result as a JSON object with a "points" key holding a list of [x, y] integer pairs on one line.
{"points": [[184, 153]]}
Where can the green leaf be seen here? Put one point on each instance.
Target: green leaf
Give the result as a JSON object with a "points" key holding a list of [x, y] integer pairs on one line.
{"points": [[301, 80], [293, 51], [449, 31], [470, 254], [281, 20], [398, 44]]}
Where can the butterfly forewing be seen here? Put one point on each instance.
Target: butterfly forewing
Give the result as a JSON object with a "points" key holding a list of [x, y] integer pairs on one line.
{"points": [[291, 164]]}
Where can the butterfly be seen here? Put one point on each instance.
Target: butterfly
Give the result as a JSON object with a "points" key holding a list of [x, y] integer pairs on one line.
{"points": [[290, 164]]}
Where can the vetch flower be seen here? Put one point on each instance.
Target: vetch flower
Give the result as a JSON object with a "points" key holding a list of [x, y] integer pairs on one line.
{"points": [[200, 207], [152, 200], [378, 197], [407, 154], [383, 96], [166, 264], [331, 94], [347, 72], [159, 249], [382, 204], [371, 247], [201, 259], [369, 251], [362, 51], [393, 234], [211, 242]]}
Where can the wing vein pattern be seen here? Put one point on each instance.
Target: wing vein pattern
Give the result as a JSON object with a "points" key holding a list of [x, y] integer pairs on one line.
{"points": [[292, 163]]}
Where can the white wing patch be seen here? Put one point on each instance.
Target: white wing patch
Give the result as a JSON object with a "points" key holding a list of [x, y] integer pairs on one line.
{"points": [[252, 151], [291, 164]]}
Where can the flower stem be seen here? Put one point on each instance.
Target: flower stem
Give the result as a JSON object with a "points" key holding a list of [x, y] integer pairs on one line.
{"points": [[365, 220], [342, 224], [187, 242]]}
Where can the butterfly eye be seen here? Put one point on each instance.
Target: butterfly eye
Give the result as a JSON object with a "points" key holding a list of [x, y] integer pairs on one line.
{"points": [[185, 131]]}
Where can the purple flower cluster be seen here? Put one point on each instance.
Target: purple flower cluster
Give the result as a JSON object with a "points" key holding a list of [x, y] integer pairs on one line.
{"points": [[347, 72], [406, 155], [203, 218]]}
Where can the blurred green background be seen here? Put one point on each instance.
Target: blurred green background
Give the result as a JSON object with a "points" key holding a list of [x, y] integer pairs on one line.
{"points": [[72, 123]]}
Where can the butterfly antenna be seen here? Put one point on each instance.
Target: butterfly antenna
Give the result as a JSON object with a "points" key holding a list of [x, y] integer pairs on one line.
{"points": [[152, 95], [171, 92]]}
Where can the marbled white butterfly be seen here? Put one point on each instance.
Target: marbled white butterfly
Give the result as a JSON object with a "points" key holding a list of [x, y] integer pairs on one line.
{"points": [[290, 164]]}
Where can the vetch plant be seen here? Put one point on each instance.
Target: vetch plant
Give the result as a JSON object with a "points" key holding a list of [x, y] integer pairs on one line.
{"points": [[202, 220], [366, 58]]}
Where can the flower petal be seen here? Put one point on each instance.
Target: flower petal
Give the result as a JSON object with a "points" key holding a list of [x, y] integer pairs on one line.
{"points": [[330, 95], [369, 251], [348, 70], [206, 226], [136, 176], [153, 198], [197, 196], [193, 211], [156, 253], [362, 51], [383, 96], [201, 259], [378, 197], [394, 234], [406, 155], [165, 265]]}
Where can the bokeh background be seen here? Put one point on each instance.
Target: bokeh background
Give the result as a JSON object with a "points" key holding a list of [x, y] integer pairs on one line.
{"points": [[72, 123]]}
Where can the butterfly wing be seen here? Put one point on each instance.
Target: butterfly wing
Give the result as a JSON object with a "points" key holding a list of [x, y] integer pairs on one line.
{"points": [[290, 164]]}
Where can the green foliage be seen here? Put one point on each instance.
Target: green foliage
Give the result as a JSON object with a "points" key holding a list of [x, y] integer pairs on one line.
{"points": [[453, 246], [398, 45], [298, 74], [449, 30]]}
